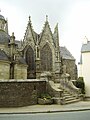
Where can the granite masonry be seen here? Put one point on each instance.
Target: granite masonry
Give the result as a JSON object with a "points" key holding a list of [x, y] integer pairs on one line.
{"points": [[27, 66]]}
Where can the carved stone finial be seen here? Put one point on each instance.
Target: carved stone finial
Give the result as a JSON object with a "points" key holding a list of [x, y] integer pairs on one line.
{"points": [[13, 37], [29, 18], [46, 17]]}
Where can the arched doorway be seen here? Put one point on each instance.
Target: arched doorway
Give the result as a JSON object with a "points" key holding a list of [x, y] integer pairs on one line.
{"points": [[46, 58], [30, 60]]}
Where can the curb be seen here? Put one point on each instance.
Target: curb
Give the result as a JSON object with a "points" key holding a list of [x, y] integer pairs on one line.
{"points": [[36, 112]]}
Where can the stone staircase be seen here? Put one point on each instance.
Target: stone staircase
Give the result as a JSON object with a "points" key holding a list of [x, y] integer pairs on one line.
{"points": [[61, 95], [68, 98]]}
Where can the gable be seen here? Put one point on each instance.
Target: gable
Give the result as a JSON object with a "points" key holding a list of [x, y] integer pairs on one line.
{"points": [[46, 35], [30, 35]]}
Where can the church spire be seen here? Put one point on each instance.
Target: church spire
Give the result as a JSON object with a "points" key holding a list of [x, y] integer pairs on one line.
{"points": [[56, 35], [46, 18], [30, 23], [46, 24], [29, 19], [29, 26]]}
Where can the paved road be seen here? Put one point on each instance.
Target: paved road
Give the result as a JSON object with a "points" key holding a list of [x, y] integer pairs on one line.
{"points": [[79, 115]]}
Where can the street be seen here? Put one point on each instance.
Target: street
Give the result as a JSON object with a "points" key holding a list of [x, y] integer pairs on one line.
{"points": [[78, 115]]}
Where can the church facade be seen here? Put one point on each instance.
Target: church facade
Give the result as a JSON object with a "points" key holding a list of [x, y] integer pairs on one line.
{"points": [[34, 66], [41, 51], [37, 53]]}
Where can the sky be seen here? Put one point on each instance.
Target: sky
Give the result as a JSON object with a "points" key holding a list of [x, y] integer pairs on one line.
{"points": [[72, 16]]}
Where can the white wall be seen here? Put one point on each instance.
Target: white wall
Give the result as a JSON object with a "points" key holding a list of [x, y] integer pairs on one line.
{"points": [[85, 71]]}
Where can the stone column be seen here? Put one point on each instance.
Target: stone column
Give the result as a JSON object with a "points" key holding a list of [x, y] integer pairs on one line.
{"points": [[12, 46], [57, 67], [38, 62]]}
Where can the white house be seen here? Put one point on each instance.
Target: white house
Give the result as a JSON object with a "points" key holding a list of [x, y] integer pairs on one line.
{"points": [[84, 66]]}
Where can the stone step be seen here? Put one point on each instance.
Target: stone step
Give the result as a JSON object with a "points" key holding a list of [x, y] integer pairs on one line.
{"points": [[58, 100], [69, 96], [72, 101], [69, 99], [66, 94]]}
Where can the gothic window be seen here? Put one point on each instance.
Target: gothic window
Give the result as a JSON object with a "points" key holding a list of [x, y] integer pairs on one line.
{"points": [[30, 60], [37, 52], [46, 58]]}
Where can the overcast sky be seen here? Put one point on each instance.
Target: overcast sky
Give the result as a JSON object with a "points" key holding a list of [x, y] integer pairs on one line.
{"points": [[73, 17]]}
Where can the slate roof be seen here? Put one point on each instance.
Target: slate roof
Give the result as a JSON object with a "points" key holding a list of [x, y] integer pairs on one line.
{"points": [[3, 55], [65, 54], [22, 61], [4, 37], [86, 47]]}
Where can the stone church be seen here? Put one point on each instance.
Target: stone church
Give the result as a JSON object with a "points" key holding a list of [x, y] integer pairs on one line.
{"points": [[35, 65], [35, 54]]}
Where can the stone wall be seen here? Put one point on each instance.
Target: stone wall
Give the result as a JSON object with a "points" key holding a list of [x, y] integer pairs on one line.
{"points": [[20, 71], [14, 93], [71, 68], [4, 70]]}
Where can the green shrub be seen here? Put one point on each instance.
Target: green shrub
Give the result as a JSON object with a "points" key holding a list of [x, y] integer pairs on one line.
{"points": [[45, 95], [80, 84]]}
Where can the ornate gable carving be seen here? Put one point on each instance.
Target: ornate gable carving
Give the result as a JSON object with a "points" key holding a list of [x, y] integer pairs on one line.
{"points": [[30, 35], [46, 35]]}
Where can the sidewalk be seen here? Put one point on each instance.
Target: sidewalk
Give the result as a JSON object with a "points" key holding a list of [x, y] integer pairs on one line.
{"points": [[78, 106]]}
